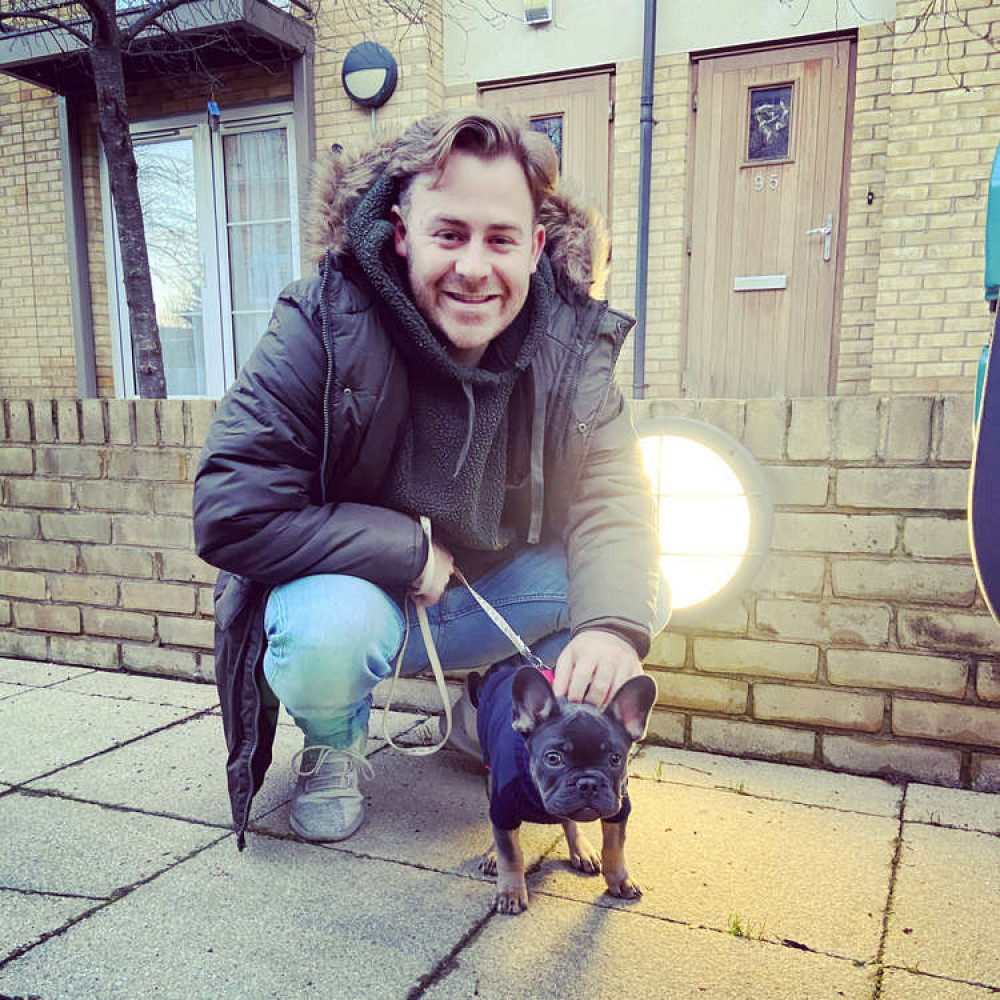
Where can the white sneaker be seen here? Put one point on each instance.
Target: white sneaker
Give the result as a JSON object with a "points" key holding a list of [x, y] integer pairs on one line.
{"points": [[327, 803]]}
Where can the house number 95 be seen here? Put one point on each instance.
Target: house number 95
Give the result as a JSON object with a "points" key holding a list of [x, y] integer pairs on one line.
{"points": [[772, 182]]}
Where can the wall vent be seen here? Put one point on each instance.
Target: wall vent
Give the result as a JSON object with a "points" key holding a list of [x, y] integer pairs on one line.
{"points": [[537, 12]]}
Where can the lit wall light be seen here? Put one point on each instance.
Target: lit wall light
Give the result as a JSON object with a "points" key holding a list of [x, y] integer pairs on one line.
{"points": [[713, 511]]}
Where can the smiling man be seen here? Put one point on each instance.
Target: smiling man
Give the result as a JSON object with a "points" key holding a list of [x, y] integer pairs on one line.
{"points": [[451, 361]]}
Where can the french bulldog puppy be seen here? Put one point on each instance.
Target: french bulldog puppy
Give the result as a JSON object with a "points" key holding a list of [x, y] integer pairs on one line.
{"points": [[555, 761]]}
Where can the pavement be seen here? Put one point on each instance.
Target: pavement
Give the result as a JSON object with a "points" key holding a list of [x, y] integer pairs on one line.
{"points": [[120, 877]]}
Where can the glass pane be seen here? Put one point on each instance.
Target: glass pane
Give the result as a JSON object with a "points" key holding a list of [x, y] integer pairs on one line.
{"points": [[166, 190], [552, 126], [770, 123], [261, 257]]}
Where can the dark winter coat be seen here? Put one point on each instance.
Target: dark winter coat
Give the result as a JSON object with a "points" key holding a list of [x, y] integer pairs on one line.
{"points": [[304, 437]]}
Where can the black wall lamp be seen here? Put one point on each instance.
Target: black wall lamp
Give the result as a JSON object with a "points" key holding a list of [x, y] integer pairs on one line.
{"points": [[369, 74]]}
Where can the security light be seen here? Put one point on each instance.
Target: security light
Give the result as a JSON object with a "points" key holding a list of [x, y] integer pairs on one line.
{"points": [[369, 74]]}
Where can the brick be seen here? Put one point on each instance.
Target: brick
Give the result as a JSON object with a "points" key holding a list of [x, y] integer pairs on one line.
{"points": [[914, 489], [44, 420], [171, 418], [152, 659], [818, 707], [809, 430], [900, 671], [837, 623], [948, 632], [954, 723], [117, 560], [908, 429], [158, 597], [77, 527], [19, 420], [172, 499], [148, 464], [146, 430], [206, 601], [936, 537], [187, 632], [40, 493], [665, 728], [26, 585], [153, 530], [892, 759], [16, 461], [120, 624], [6, 613], [200, 413], [822, 533], [988, 681], [755, 658], [108, 495], [47, 617], [790, 575], [56, 556], [904, 580], [18, 524], [85, 589], [120, 421], [726, 414], [730, 616], [749, 739], [668, 650], [75, 462], [706, 694], [856, 428], [84, 652], [92, 420], [985, 773], [24, 645], [953, 436], [798, 485], [187, 567], [68, 420]]}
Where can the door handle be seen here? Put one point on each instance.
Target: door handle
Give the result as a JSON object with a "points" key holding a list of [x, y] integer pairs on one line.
{"points": [[827, 231]]}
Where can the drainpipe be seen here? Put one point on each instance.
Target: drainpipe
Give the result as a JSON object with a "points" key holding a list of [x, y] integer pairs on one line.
{"points": [[645, 168]]}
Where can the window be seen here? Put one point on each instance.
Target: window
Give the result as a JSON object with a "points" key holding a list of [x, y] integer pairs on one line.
{"points": [[220, 215]]}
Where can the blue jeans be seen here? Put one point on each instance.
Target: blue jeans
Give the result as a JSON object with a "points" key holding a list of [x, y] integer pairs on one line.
{"points": [[332, 638]]}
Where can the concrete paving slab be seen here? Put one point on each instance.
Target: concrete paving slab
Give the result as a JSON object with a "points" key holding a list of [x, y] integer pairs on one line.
{"points": [[943, 918], [26, 917], [899, 985], [281, 920], [11, 690], [47, 728], [953, 807], [55, 845], [427, 811], [776, 781], [178, 772], [559, 949], [135, 687], [34, 674], [819, 877]]}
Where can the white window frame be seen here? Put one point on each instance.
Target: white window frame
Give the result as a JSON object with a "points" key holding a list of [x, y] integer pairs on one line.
{"points": [[220, 362]]}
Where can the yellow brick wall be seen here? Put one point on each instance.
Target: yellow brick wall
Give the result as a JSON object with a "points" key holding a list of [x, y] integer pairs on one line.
{"points": [[943, 129], [36, 328]]}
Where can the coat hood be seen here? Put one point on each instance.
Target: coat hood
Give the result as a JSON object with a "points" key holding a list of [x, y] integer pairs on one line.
{"points": [[576, 240]]}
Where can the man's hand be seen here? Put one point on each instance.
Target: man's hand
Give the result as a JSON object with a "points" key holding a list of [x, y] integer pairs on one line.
{"points": [[593, 666], [430, 585]]}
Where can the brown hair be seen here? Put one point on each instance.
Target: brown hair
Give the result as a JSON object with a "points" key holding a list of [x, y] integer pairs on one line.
{"points": [[425, 146]]}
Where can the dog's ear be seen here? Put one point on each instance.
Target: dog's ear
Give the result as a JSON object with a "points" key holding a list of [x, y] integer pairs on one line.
{"points": [[632, 703], [534, 701]]}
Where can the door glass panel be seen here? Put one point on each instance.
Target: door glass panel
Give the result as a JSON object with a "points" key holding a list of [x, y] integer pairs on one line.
{"points": [[551, 126], [258, 205], [167, 194], [770, 123]]}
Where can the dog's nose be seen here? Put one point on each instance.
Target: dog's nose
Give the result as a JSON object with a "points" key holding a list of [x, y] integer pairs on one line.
{"points": [[587, 787]]}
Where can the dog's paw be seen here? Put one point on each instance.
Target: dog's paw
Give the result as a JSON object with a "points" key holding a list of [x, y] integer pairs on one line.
{"points": [[511, 896], [584, 858], [623, 887], [488, 863]]}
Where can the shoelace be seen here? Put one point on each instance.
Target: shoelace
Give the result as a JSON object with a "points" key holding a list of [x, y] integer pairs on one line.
{"points": [[317, 781]]}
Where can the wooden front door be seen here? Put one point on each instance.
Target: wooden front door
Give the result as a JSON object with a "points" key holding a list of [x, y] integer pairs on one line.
{"points": [[765, 221], [575, 112]]}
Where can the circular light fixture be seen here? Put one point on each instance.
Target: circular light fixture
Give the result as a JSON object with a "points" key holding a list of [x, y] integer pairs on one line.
{"points": [[369, 74], [713, 511]]}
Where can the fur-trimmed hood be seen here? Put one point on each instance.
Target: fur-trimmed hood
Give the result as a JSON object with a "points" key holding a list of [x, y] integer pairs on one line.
{"points": [[576, 240]]}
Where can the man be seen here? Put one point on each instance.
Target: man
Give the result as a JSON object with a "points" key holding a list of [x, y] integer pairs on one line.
{"points": [[448, 362]]}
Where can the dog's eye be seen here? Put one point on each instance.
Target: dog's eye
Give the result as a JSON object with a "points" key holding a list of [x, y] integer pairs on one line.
{"points": [[553, 758], [615, 760]]}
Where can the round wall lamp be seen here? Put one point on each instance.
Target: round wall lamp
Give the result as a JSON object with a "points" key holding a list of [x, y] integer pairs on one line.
{"points": [[369, 74], [713, 512]]}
